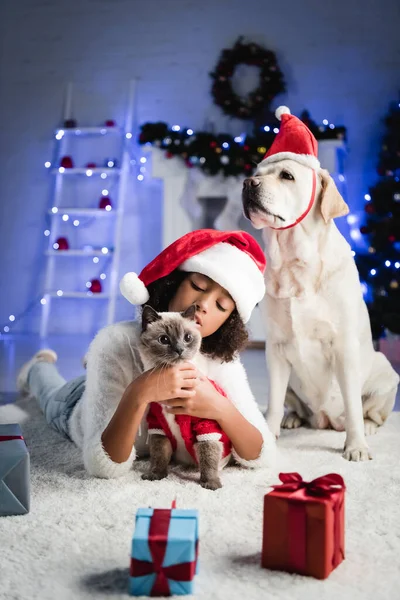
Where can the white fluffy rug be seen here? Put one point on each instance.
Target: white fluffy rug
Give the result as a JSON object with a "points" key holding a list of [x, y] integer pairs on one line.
{"points": [[75, 542]]}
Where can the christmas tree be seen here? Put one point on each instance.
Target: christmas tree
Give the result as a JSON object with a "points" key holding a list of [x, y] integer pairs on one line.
{"points": [[380, 268]]}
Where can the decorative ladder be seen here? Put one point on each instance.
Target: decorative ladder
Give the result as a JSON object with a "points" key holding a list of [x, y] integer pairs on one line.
{"points": [[56, 212]]}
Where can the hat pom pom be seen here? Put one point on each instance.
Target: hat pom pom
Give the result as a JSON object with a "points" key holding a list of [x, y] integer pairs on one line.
{"points": [[282, 110], [133, 289]]}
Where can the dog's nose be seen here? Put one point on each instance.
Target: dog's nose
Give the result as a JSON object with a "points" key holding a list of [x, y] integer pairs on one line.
{"points": [[251, 182]]}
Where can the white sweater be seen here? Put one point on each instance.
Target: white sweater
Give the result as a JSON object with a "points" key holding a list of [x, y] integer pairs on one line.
{"points": [[113, 362]]}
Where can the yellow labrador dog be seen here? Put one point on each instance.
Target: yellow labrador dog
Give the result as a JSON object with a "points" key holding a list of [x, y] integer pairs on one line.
{"points": [[320, 356]]}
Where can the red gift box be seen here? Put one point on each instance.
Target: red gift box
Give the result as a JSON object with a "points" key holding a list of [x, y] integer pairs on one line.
{"points": [[303, 529]]}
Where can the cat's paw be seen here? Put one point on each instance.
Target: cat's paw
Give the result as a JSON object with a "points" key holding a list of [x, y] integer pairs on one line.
{"points": [[154, 476], [211, 484]]}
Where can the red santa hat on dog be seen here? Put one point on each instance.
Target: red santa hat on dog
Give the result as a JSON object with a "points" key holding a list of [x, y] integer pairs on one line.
{"points": [[294, 141], [234, 259]]}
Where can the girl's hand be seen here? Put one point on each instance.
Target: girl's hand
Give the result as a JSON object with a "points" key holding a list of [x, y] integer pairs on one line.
{"points": [[205, 403], [165, 383]]}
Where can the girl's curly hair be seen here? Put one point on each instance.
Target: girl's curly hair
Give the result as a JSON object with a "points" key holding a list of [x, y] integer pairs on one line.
{"points": [[224, 343]]}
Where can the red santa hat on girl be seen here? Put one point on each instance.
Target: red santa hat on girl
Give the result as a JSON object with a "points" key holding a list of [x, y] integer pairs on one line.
{"points": [[294, 141], [233, 259]]}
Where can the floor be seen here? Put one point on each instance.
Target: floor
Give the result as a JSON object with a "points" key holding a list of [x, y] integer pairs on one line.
{"points": [[17, 349]]}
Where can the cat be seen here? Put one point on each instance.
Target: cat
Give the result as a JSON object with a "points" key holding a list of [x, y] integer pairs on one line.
{"points": [[166, 339]]}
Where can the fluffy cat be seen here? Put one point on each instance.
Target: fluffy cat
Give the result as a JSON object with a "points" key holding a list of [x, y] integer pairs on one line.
{"points": [[168, 338]]}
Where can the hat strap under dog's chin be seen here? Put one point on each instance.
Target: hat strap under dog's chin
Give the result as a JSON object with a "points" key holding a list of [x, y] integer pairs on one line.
{"points": [[305, 213]]}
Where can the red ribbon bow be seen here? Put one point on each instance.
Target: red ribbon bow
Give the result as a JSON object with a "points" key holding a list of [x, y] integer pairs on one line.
{"points": [[158, 540], [8, 438], [322, 487]]}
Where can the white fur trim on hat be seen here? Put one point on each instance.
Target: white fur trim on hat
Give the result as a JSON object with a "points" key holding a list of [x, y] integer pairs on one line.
{"points": [[282, 110], [133, 289], [304, 159], [234, 270]]}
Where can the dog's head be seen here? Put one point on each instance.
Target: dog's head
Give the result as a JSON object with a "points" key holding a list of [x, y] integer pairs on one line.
{"points": [[279, 193]]}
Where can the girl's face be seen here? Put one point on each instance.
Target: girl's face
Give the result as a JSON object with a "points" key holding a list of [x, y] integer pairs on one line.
{"points": [[213, 302]]}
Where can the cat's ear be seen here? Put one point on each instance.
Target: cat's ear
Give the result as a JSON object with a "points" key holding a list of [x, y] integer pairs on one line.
{"points": [[189, 312], [149, 315]]}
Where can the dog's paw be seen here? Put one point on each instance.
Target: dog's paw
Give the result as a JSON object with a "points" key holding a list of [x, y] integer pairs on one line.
{"points": [[356, 452], [211, 484], [274, 425], [370, 427], [291, 421], [154, 476]]}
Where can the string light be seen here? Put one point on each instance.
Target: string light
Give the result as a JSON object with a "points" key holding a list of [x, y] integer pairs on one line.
{"points": [[189, 131], [387, 263], [76, 222], [60, 134], [353, 253], [110, 164], [96, 259], [367, 197], [47, 164], [238, 139], [325, 122], [103, 175], [104, 250], [143, 159], [225, 145], [351, 219], [6, 329], [61, 169], [65, 217], [373, 271], [103, 276], [11, 318], [266, 128], [397, 265], [276, 130], [128, 135], [108, 207], [89, 172], [59, 292], [55, 246], [54, 209], [175, 128], [140, 177], [104, 192], [43, 301], [47, 233]]}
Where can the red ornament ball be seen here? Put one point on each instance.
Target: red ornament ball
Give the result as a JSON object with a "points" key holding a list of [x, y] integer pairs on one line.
{"points": [[110, 123], [168, 154], [364, 230], [62, 243], [392, 239], [95, 286], [91, 165], [213, 144], [104, 202], [70, 124], [188, 164], [67, 162], [246, 148], [370, 209]]}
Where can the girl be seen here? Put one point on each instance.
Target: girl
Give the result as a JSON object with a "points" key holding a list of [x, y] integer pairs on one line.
{"points": [[221, 273]]}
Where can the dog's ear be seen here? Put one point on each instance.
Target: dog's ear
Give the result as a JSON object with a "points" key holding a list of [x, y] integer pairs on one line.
{"points": [[331, 202]]}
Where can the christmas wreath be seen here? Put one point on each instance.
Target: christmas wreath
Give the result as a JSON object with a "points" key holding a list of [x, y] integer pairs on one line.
{"points": [[270, 84]]}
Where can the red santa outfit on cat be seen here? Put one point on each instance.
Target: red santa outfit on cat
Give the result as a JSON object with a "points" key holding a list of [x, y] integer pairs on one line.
{"points": [[191, 429]]}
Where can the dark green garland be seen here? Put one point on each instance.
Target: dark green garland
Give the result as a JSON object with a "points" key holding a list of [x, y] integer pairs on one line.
{"points": [[220, 153]]}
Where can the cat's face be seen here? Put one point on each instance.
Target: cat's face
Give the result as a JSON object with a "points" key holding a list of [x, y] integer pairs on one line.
{"points": [[169, 337]]}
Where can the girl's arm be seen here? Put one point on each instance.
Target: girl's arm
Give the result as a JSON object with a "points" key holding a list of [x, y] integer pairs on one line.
{"points": [[120, 434]]}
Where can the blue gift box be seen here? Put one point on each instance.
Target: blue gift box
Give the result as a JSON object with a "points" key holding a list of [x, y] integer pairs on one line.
{"points": [[14, 472], [164, 552]]}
